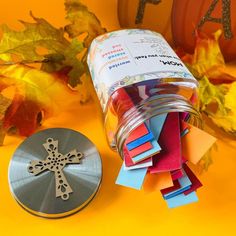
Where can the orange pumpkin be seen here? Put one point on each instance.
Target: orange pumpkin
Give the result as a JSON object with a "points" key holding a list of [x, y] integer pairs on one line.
{"points": [[150, 14], [207, 16]]}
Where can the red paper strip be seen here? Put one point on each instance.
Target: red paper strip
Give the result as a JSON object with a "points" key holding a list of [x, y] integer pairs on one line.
{"points": [[128, 160], [126, 104], [139, 132], [171, 189], [140, 149], [177, 174], [193, 178], [121, 102], [169, 158]]}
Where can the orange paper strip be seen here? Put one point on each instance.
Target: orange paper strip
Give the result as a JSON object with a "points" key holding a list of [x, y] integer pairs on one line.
{"points": [[196, 143], [154, 182]]}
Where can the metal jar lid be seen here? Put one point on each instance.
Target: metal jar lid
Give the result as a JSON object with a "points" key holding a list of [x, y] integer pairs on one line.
{"points": [[55, 172]]}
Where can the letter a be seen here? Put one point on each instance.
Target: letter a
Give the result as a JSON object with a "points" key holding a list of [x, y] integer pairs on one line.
{"points": [[225, 20]]}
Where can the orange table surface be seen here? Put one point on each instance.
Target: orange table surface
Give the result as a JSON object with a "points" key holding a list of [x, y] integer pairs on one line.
{"points": [[117, 210]]}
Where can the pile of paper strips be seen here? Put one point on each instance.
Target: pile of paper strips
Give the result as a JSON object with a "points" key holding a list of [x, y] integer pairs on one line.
{"points": [[162, 147]]}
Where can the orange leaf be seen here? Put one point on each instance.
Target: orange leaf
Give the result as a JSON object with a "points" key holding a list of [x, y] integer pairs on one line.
{"points": [[36, 96], [207, 59], [217, 84]]}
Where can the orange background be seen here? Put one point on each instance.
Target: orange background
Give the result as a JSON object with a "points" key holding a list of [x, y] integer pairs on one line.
{"points": [[117, 210]]}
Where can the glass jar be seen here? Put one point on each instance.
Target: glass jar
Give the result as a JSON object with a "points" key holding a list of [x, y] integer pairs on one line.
{"points": [[137, 76]]}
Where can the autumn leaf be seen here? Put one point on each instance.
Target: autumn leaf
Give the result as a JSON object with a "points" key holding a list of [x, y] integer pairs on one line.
{"points": [[226, 117], [217, 88], [4, 104], [207, 54], [207, 59], [209, 94], [41, 42], [37, 95], [218, 102], [82, 21], [29, 95]]}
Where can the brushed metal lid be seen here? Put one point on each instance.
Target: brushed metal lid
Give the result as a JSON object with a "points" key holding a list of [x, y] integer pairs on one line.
{"points": [[55, 172]]}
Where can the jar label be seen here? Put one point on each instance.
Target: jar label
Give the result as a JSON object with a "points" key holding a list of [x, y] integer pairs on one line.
{"points": [[125, 57]]}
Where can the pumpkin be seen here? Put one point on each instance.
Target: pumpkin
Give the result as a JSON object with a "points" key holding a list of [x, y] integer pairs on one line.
{"points": [[208, 16], [146, 14]]}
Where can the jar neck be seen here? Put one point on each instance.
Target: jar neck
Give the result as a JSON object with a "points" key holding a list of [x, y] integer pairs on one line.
{"points": [[151, 107]]}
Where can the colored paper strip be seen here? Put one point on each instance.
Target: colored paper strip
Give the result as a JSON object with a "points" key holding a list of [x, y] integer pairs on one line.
{"points": [[155, 149], [169, 158], [142, 148], [154, 182], [137, 133], [131, 178], [172, 188], [185, 184], [193, 178], [196, 143], [176, 174], [182, 199], [139, 141], [139, 165], [156, 125], [128, 160]]}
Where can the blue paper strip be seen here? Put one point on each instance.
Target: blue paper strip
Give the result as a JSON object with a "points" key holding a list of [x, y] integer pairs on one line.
{"points": [[156, 125], [185, 184], [182, 199], [155, 149], [140, 141], [131, 178]]}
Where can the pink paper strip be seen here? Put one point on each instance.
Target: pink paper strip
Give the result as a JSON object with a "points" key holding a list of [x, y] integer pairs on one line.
{"points": [[176, 174], [169, 158]]}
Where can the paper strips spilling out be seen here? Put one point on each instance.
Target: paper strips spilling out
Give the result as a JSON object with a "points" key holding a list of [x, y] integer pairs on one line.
{"points": [[162, 148]]}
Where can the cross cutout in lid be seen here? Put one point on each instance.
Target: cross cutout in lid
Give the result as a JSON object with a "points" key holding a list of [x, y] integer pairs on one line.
{"points": [[56, 162]]}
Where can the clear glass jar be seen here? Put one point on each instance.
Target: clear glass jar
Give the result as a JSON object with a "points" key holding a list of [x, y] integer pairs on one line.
{"points": [[138, 76]]}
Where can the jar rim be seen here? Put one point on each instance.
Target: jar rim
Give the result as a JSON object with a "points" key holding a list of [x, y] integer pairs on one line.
{"points": [[151, 107]]}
